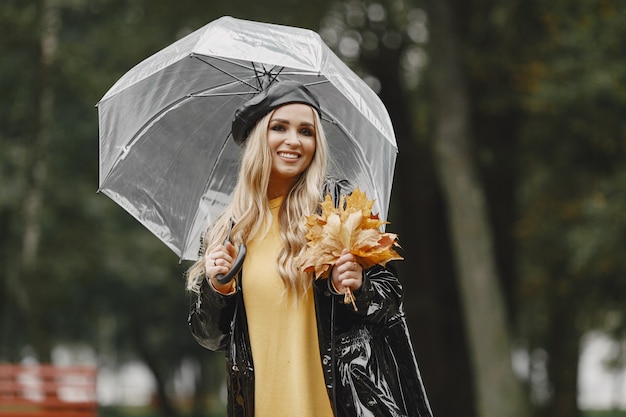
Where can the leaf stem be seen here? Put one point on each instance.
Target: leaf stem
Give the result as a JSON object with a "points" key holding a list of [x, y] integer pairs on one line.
{"points": [[348, 298]]}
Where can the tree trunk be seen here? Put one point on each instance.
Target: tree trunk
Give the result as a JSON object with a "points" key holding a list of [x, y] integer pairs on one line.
{"points": [[498, 392], [39, 168], [431, 300], [563, 348], [147, 353], [25, 275]]}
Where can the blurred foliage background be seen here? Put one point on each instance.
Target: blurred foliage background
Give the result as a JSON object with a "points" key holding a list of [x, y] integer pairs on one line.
{"points": [[529, 95]]}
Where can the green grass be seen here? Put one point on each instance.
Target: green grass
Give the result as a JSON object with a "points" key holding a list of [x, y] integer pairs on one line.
{"points": [[148, 412], [127, 412], [604, 413]]}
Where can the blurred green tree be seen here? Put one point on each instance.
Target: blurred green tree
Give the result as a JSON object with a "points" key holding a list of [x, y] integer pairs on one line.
{"points": [[571, 227]]}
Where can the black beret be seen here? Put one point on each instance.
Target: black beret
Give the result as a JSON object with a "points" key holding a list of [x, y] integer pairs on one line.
{"points": [[276, 95]]}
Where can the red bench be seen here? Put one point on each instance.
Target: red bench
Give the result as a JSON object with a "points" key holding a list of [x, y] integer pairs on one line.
{"points": [[48, 390]]}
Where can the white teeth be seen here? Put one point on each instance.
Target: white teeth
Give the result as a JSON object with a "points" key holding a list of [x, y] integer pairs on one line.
{"points": [[288, 155]]}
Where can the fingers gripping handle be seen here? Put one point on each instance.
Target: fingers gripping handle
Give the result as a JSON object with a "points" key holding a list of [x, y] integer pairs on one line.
{"points": [[223, 279], [234, 270]]}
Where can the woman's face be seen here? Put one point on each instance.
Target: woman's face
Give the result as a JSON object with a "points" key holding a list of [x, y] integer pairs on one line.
{"points": [[291, 138]]}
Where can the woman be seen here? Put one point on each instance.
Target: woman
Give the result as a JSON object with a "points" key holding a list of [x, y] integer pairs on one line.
{"points": [[292, 347]]}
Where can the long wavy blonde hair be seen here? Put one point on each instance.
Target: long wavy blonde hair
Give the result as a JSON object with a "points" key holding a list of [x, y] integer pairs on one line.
{"points": [[250, 209]]}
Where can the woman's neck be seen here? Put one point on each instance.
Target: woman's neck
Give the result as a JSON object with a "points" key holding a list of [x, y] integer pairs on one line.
{"points": [[278, 189]]}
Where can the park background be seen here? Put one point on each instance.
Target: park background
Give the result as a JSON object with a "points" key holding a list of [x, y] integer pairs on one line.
{"points": [[509, 198]]}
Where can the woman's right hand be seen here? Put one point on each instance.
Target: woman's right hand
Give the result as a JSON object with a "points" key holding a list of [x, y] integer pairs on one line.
{"points": [[219, 262]]}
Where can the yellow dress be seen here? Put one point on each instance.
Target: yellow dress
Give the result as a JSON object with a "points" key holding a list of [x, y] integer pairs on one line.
{"points": [[288, 374]]}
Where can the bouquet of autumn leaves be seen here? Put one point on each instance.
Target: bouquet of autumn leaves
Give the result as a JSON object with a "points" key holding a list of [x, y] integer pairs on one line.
{"points": [[350, 225]]}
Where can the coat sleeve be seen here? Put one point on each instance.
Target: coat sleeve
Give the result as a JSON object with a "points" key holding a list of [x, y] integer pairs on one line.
{"points": [[210, 317]]}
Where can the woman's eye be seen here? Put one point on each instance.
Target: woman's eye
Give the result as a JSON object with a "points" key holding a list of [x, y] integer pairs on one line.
{"points": [[278, 128], [306, 132]]}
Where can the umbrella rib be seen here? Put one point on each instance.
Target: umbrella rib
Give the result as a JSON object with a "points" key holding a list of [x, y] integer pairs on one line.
{"points": [[243, 93], [226, 72], [218, 58], [254, 68], [272, 72]]}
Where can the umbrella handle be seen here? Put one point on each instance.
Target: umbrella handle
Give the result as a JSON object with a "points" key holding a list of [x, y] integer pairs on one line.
{"points": [[223, 279], [241, 254]]}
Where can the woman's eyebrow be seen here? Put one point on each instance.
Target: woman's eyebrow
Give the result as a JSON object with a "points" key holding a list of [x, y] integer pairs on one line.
{"points": [[288, 122]]}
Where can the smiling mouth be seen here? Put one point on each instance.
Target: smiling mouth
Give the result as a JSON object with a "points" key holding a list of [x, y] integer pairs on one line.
{"points": [[288, 155]]}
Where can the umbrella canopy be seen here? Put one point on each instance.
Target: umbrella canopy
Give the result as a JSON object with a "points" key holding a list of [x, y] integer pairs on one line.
{"points": [[166, 155]]}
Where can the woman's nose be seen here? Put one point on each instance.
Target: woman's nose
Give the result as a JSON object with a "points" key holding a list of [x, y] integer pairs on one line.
{"points": [[291, 137]]}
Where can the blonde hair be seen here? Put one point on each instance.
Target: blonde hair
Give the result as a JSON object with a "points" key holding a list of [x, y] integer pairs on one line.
{"points": [[250, 209]]}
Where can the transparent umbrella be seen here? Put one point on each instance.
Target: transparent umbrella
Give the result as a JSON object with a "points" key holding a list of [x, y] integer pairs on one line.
{"points": [[166, 153]]}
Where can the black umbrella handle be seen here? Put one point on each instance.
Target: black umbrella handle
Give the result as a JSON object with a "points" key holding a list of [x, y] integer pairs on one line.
{"points": [[236, 267]]}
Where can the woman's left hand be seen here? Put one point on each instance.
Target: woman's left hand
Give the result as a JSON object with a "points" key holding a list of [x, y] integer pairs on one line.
{"points": [[347, 273]]}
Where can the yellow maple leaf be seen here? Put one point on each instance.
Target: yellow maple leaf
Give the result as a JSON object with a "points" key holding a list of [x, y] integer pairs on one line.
{"points": [[352, 226]]}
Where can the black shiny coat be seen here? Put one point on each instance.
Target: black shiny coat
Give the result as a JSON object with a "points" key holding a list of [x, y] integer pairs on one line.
{"points": [[367, 357]]}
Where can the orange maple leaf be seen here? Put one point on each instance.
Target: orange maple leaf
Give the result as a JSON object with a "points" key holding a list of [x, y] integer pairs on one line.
{"points": [[352, 226]]}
